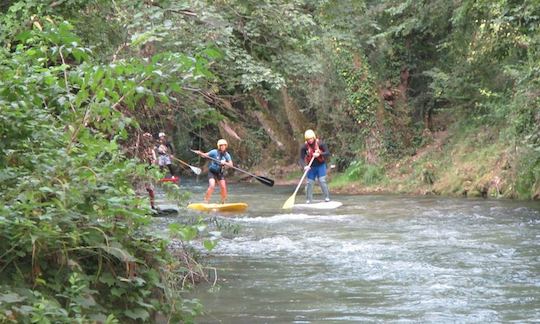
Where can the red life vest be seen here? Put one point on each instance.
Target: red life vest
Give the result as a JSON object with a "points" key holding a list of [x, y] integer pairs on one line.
{"points": [[311, 150]]}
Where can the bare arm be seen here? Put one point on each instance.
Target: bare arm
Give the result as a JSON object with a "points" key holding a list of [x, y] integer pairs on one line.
{"points": [[153, 156], [201, 153], [227, 163]]}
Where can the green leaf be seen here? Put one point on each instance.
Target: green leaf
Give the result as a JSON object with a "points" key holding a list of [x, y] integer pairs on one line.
{"points": [[137, 313], [209, 244], [153, 276], [118, 252], [86, 301], [117, 292], [24, 36], [98, 74], [175, 87], [11, 298], [213, 53], [111, 319], [81, 97]]}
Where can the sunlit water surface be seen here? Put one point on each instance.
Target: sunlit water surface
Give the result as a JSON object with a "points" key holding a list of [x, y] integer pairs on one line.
{"points": [[376, 259]]}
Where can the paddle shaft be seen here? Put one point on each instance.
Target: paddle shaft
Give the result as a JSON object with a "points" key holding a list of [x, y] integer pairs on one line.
{"points": [[289, 203], [264, 180], [193, 168], [303, 176]]}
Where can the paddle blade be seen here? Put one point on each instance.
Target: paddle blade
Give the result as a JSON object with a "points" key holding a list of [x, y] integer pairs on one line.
{"points": [[265, 180], [289, 203], [195, 170]]}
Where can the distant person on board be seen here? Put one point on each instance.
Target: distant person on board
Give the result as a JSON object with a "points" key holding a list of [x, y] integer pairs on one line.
{"points": [[149, 156], [216, 169], [165, 151], [314, 148]]}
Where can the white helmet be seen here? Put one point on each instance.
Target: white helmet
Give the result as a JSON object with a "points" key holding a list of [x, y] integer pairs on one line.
{"points": [[309, 134], [222, 142], [161, 134]]}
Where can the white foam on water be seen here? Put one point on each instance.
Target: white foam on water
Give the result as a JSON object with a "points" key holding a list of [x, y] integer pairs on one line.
{"points": [[428, 261], [284, 218], [313, 248], [252, 246]]}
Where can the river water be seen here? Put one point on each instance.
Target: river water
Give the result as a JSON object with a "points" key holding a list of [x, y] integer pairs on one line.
{"points": [[378, 258]]}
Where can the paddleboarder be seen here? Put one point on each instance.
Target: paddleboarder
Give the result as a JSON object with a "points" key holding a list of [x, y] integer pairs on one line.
{"points": [[316, 149], [216, 169], [165, 151]]}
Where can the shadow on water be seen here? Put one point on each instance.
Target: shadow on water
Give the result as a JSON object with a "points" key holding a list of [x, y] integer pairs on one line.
{"points": [[376, 258]]}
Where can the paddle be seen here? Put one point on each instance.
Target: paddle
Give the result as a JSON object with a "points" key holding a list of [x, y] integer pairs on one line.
{"points": [[290, 202], [263, 180], [195, 170]]}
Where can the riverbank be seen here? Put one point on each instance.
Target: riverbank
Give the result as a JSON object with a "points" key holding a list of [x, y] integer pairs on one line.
{"points": [[466, 165]]}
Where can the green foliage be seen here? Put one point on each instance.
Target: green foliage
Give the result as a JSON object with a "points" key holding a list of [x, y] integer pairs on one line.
{"points": [[73, 235], [269, 38], [365, 173], [360, 87], [246, 52], [528, 177]]}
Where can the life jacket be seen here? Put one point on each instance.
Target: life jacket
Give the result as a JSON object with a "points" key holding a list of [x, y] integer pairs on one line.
{"points": [[163, 149], [311, 149], [215, 166]]}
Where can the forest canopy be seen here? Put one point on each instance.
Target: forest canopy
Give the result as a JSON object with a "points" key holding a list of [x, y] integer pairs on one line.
{"points": [[379, 81]]}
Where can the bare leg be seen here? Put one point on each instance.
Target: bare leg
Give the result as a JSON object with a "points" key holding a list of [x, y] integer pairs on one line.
{"points": [[223, 190], [152, 197], [211, 186], [170, 167]]}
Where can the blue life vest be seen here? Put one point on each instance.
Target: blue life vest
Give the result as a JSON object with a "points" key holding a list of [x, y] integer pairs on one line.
{"points": [[214, 166]]}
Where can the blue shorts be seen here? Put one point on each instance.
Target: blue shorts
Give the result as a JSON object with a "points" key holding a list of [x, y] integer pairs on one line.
{"points": [[317, 172]]}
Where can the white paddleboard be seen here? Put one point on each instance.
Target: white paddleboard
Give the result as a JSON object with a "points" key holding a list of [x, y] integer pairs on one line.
{"points": [[320, 205]]}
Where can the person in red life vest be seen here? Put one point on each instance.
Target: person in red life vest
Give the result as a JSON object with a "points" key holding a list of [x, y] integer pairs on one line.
{"points": [[216, 170], [314, 148], [149, 156]]}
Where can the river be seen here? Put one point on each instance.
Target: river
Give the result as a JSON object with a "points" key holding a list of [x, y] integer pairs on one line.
{"points": [[378, 258]]}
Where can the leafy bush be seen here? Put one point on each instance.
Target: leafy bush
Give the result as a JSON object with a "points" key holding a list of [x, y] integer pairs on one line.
{"points": [[528, 177], [366, 173], [73, 234]]}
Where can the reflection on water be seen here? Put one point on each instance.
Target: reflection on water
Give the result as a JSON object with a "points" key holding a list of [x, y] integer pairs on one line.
{"points": [[376, 259]]}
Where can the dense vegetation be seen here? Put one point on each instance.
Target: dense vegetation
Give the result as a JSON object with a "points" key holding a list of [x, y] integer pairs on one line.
{"points": [[431, 96], [73, 234]]}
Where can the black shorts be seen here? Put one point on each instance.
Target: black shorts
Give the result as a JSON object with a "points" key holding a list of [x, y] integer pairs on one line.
{"points": [[216, 175]]}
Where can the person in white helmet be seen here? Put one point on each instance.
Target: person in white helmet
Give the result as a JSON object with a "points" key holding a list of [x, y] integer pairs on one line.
{"points": [[165, 150], [316, 149], [216, 169]]}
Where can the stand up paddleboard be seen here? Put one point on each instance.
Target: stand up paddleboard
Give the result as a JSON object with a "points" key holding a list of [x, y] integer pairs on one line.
{"points": [[232, 207], [320, 205], [173, 179]]}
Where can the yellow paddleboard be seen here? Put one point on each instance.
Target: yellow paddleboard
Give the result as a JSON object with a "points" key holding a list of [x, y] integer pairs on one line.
{"points": [[232, 207]]}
